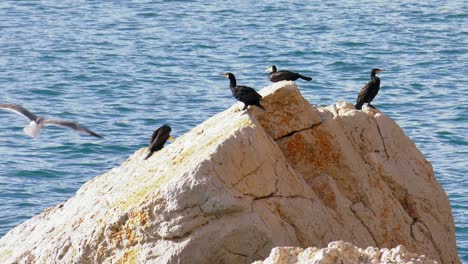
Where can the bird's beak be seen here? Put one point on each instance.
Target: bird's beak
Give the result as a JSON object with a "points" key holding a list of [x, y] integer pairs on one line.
{"points": [[171, 138], [223, 74], [268, 70]]}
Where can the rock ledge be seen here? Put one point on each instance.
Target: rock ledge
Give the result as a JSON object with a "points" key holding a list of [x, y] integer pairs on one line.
{"points": [[343, 252]]}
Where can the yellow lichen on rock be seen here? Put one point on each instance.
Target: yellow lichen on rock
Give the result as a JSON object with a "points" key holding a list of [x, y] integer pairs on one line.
{"points": [[130, 257]]}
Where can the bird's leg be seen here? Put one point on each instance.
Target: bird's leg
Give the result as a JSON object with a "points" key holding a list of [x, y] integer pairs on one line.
{"points": [[245, 107]]}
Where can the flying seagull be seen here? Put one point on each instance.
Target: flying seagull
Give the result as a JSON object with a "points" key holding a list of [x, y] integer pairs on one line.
{"points": [[38, 122]]}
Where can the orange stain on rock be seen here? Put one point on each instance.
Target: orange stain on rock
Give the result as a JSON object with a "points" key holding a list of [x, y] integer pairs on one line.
{"points": [[136, 220], [312, 147], [397, 236], [296, 145], [325, 193]]}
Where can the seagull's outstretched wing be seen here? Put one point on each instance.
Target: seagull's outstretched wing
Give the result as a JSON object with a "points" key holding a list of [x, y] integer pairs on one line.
{"points": [[19, 110], [69, 124]]}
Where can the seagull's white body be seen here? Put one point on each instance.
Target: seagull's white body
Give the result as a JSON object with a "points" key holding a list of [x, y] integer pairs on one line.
{"points": [[37, 122], [33, 129]]}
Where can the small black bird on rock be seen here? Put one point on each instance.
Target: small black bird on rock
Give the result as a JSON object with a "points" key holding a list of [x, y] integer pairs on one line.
{"points": [[283, 75], [369, 91], [244, 94], [159, 138]]}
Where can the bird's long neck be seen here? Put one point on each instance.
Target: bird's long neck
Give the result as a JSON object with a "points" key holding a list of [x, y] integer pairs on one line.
{"points": [[374, 78], [232, 81]]}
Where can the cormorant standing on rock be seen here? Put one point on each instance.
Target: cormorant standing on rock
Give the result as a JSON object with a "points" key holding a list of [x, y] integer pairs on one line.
{"points": [[369, 91], [244, 94], [159, 138], [276, 76]]}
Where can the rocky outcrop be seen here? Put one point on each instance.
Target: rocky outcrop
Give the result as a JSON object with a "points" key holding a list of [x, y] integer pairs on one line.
{"points": [[244, 182], [343, 252]]}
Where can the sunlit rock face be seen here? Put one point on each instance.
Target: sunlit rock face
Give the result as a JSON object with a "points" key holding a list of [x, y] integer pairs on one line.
{"points": [[244, 182]]}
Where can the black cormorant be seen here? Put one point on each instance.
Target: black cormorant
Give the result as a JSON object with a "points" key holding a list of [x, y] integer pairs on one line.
{"points": [[369, 91], [244, 94], [158, 139], [37, 122], [276, 76]]}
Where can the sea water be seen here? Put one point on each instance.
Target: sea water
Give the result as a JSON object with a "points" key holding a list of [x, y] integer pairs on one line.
{"points": [[124, 68]]}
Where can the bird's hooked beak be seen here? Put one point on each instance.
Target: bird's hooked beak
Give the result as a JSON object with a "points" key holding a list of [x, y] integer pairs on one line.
{"points": [[170, 138], [225, 75], [269, 69], [379, 71]]}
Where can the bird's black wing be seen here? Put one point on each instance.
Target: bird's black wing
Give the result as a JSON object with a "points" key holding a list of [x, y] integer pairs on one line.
{"points": [[155, 134], [363, 94], [283, 76], [247, 94], [162, 135], [289, 75], [72, 125], [373, 90], [19, 110]]}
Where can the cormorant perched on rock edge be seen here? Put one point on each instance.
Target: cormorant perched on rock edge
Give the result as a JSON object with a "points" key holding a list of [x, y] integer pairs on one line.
{"points": [[158, 139], [244, 94], [38, 122], [369, 91], [283, 75]]}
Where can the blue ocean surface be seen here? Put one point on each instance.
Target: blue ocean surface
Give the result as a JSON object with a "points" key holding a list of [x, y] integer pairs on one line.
{"points": [[124, 68]]}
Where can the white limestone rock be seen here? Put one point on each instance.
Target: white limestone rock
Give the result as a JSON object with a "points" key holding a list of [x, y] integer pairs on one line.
{"points": [[244, 182], [343, 252]]}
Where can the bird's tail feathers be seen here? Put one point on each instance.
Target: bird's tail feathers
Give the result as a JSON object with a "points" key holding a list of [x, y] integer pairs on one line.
{"points": [[305, 78], [259, 105], [358, 106], [33, 129], [149, 154]]}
